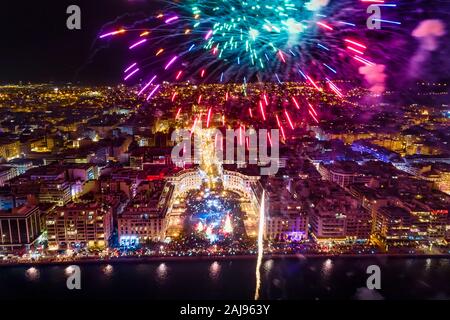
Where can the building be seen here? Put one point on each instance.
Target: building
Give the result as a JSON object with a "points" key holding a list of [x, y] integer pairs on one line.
{"points": [[393, 226], [438, 173], [340, 219], [343, 173], [429, 225], [58, 192], [6, 174], [21, 165], [82, 172], [140, 226], [9, 200], [142, 220], [79, 225], [405, 210], [9, 149], [56, 183], [380, 153], [19, 228], [289, 227], [286, 220]]}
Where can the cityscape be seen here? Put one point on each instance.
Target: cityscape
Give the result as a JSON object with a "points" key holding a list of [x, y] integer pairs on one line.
{"points": [[88, 173], [101, 178]]}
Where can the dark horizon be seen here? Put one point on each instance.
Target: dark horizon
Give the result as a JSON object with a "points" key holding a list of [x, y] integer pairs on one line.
{"points": [[40, 49]]}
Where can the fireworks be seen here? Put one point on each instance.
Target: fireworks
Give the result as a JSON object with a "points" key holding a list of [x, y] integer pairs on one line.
{"points": [[260, 243], [312, 41], [209, 231], [214, 216], [238, 40], [200, 227], [227, 227]]}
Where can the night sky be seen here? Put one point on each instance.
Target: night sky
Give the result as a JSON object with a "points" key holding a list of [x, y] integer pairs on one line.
{"points": [[37, 46]]}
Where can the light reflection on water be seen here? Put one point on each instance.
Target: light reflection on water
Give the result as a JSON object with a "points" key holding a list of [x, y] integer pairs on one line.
{"points": [[428, 264], [69, 270], [444, 262], [214, 270], [409, 262], [268, 265], [32, 274], [162, 273], [327, 268], [108, 270], [280, 278]]}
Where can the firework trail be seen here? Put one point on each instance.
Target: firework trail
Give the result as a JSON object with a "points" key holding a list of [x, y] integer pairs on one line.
{"points": [[261, 228], [316, 42]]}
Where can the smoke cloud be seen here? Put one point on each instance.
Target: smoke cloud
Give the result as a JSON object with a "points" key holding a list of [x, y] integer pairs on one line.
{"points": [[315, 5], [375, 76], [427, 33]]}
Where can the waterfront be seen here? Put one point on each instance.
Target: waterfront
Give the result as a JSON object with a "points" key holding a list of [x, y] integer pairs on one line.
{"points": [[282, 278]]}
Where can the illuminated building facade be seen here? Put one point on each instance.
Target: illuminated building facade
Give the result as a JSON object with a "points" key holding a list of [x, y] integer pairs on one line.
{"points": [[290, 227], [9, 149], [143, 219], [59, 192], [142, 224], [342, 173], [79, 225], [19, 228], [340, 219], [7, 173], [438, 173], [393, 225], [286, 219]]}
